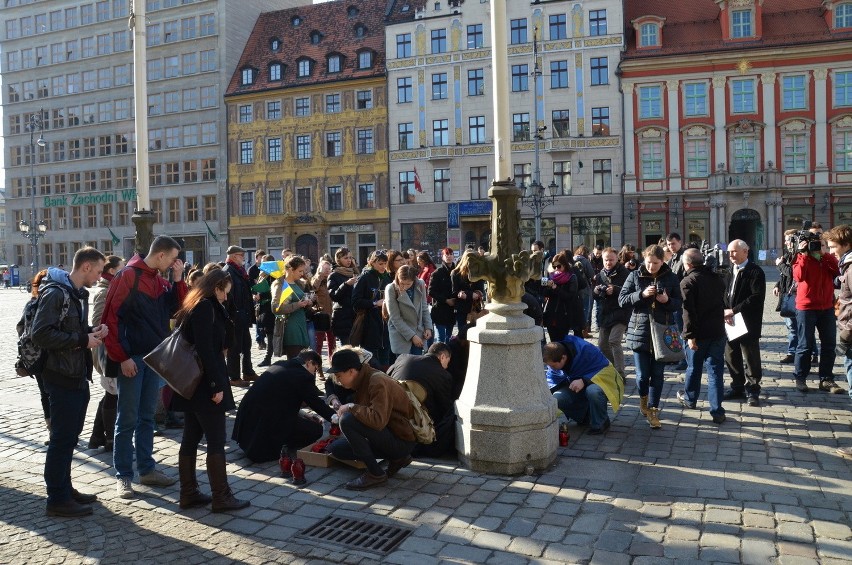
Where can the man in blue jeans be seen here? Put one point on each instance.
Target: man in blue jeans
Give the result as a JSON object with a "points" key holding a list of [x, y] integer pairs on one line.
{"points": [[582, 380], [704, 329], [60, 328], [139, 306]]}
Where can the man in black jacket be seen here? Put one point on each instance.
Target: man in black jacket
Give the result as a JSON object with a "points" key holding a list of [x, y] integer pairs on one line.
{"points": [[441, 294], [745, 294], [703, 327], [430, 372], [613, 321], [63, 334], [254, 276], [240, 307]]}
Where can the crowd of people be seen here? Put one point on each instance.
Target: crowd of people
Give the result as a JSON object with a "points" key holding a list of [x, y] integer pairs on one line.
{"points": [[402, 317]]}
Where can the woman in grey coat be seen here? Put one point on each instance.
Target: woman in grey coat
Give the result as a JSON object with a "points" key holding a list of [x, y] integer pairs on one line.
{"points": [[409, 322]]}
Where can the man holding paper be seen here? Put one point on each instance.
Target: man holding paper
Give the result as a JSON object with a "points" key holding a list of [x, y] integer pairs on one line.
{"points": [[745, 295]]}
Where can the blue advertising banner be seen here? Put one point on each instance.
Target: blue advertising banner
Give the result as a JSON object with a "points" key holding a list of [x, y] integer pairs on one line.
{"points": [[453, 215]]}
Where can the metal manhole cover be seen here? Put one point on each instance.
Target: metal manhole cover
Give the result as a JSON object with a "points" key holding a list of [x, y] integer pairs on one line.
{"points": [[357, 534]]}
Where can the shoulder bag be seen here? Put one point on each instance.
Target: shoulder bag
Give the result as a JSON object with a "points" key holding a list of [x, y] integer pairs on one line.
{"points": [[356, 334], [177, 362], [666, 340], [788, 303]]}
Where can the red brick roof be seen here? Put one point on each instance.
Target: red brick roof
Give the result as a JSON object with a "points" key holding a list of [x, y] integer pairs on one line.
{"points": [[336, 22], [692, 26]]}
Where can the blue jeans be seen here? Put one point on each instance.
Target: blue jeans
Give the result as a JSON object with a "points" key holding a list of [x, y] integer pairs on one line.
{"points": [[793, 337], [847, 364], [586, 297], [67, 416], [415, 350], [649, 377], [808, 323], [312, 333], [134, 422], [589, 403], [710, 356], [444, 332]]}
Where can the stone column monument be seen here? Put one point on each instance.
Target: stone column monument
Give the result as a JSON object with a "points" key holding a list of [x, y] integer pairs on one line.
{"points": [[507, 416]]}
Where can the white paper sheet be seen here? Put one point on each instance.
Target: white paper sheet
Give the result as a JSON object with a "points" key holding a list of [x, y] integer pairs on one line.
{"points": [[738, 329]]}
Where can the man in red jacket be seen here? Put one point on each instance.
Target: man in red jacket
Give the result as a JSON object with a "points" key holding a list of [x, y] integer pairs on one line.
{"points": [[814, 274]]}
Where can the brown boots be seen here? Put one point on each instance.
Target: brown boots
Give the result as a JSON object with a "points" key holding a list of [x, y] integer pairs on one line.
{"points": [[223, 498], [190, 496]]}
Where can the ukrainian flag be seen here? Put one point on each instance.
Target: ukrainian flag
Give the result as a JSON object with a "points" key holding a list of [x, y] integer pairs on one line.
{"points": [[612, 384], [286, 291]]}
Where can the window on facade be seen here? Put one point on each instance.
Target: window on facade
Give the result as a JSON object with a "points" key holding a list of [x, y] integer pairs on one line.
{"points": [[650, 102], [795, 153], [843, 150], [600, 121], [403, 45], [405, 135], [649, 35], [273, 110], [558, 27], [744, 154], [439, 41], [364, 99], [246, 203], [407, 190], [334, 198], [303, 199], [600, 70], [439, 86], [441, 185], [522, 173], [172, 102], [187, 28], [475, 38], [561, 123], [793, 92], [208, 132], [303, 147], [155, 174], [211, 210], [191, 208], [274, 202], [245, 113], [364, 139], [207, 23], [440, 132], [476, 129], [190, 171], [697, 157], [366, 196], [562, 177], [334, 64], [741, 24], [247, 76], [597, 22], [332, 103], [695, 99], [174, 210], [304, 68], [521, 127], [275, 71], [742, 92], [843, 15], [208, 170], [303, 107], [479, 183], [559, 74], [333, 146], [208, 60], [209, 96], [652, 159], [475, 82], [518, 31], [273, 149], [246, 152], [843, 88], [365, 59], [520, 78], [602, 176], [404, 90]]}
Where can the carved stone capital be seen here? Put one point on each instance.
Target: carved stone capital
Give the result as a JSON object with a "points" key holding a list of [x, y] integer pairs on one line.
{"points": [[672, 85], [719, 82], [820, 74], [768, 78]]}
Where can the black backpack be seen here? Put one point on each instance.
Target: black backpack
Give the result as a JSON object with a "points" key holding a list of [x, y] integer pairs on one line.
{"points": [[580, 273], [31, 357]]}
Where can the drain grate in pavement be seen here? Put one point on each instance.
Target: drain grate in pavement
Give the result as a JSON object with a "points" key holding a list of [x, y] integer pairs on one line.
{"points": [[357, 534]]}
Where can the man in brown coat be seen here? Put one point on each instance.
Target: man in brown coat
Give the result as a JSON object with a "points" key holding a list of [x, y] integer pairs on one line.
{"points": [[376, 424]]}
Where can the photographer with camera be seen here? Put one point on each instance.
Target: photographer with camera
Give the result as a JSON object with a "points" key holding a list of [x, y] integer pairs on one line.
{"points": [[814, 273]]}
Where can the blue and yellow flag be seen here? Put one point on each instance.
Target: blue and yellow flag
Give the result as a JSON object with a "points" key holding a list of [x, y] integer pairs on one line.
{"points": [[612, 384], [274, 269], [286, 291]]}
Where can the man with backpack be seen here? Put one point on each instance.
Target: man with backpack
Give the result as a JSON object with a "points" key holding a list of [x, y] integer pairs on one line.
{"points": [[60, 329]]}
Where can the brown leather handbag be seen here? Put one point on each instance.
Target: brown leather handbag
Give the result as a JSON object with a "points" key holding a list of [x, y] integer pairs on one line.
{"points": [[177, 362]]}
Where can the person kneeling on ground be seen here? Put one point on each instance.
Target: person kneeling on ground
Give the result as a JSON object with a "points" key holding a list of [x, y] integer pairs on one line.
{"points": [[269, 415], [582, 380], [377, 424]]}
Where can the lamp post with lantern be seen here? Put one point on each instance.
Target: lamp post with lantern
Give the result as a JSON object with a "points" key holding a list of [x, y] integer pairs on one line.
{"points": [[34, 230]]}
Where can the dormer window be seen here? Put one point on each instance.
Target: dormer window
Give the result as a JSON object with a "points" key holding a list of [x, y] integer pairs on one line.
{"points": [[296, 21], [275, 44], [843, 15], [304, 68], [742, 24], [316, 37], [352, 11], [649, 35], [334, 63], [247, 76], [360, 30], [365, 59], [649, 31], [275, 71]]}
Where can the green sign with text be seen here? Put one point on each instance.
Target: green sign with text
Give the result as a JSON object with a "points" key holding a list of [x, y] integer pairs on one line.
{"points": [[126, 195]]}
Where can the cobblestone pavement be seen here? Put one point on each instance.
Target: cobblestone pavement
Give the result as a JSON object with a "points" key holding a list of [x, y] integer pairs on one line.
{"points": [[765, 487]]}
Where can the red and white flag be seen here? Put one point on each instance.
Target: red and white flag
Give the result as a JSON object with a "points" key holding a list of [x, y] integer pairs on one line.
{"points": [[417, 186]]}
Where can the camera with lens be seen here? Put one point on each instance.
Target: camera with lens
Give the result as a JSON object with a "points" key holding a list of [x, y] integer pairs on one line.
{"points": [[814, 243], [545, 281], [600, 289]]}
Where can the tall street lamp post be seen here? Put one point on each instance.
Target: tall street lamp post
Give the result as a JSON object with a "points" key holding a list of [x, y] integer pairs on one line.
{"points": [[33, 230]]}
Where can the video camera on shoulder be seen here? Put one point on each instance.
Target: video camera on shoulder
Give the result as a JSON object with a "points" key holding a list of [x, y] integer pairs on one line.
{"points": [[813, 239]]}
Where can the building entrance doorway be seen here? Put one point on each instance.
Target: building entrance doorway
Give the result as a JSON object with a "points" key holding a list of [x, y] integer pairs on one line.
{"points": [[747, 226]]}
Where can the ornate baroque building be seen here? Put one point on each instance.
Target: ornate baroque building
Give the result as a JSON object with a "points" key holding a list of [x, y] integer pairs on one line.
{"points": [[307, 130], [740, 120], [441, 130]]}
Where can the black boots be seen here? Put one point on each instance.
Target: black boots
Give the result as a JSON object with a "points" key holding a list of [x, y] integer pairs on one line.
{"points": [[223, 498], [103, 428], [190, 496]]}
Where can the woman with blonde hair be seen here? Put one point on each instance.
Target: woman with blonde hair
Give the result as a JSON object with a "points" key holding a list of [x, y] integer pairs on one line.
{"points": [[409, 323], [295, 335], [467, 294]]}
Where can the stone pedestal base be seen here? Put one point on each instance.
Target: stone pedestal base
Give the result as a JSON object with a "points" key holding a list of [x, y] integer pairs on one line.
{"points": [[506, 414]]}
